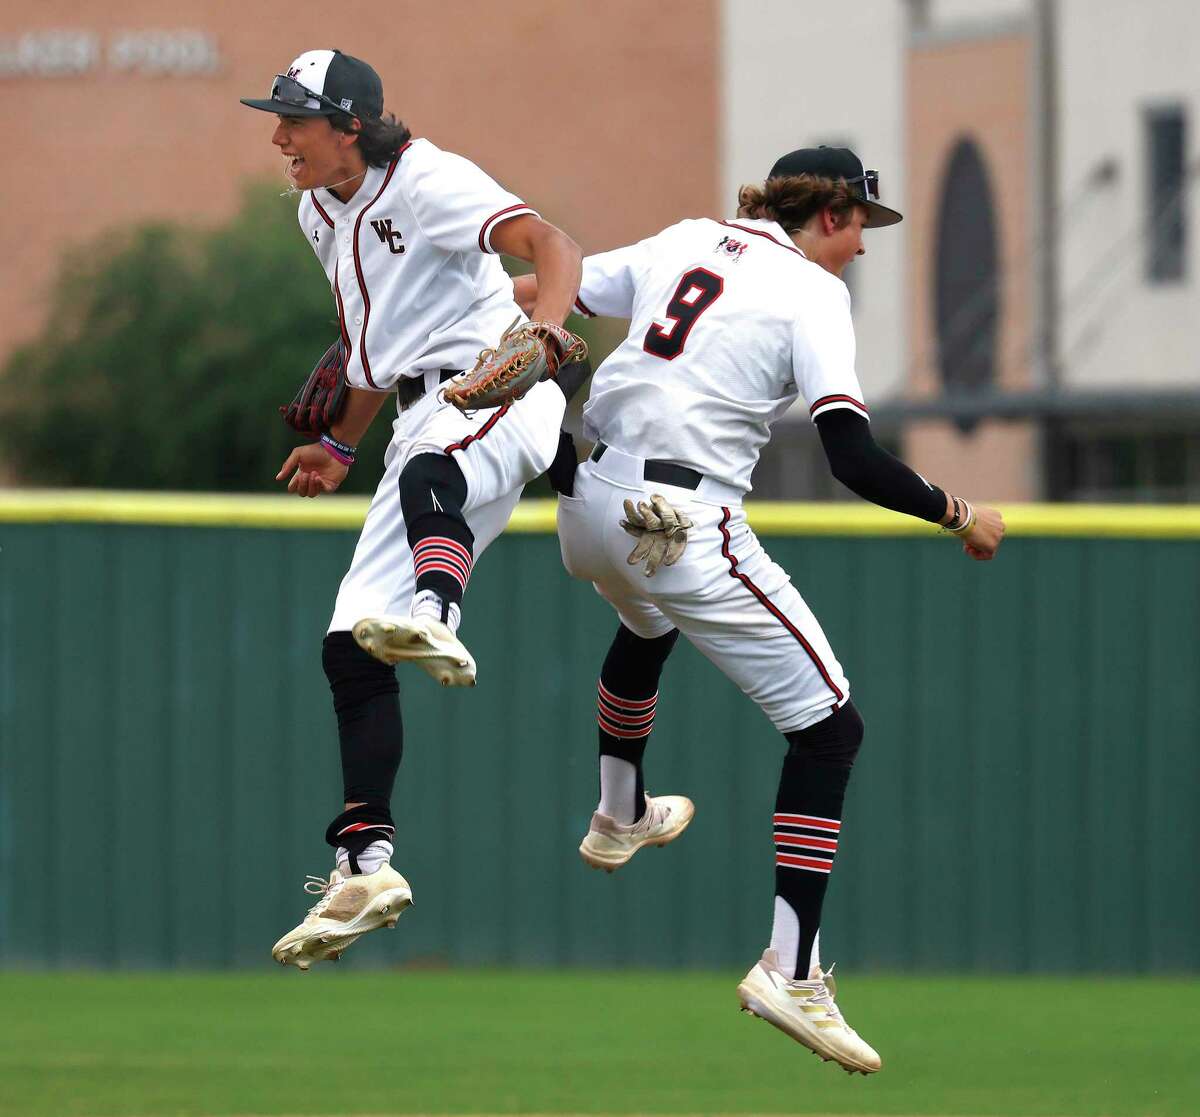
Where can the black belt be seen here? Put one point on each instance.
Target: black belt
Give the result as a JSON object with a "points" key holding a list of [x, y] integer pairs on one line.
{"points": [[412, 388], [667, 473]]}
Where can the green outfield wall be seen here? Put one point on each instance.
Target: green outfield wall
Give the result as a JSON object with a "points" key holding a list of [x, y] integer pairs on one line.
{"points": [[1027, 798]]}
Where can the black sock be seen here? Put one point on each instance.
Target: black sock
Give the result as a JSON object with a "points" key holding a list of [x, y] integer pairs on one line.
{"points": [[808, 817], [432, 493], [355, 829], [366, 699], [626, 696]]}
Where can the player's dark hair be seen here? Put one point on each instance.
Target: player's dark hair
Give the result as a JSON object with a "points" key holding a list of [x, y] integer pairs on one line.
{"points": [[378, 139], [792, 201]]}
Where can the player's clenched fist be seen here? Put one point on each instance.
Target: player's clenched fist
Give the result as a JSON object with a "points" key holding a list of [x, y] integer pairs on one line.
{"points": [[313, 470], [982, 539]]}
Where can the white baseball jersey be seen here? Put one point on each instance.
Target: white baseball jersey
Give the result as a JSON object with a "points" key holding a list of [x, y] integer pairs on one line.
{"points": [[411, 264], [729, 322]]}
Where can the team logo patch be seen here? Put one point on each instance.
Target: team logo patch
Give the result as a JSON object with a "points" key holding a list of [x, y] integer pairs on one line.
{"points": [[731, 248], [393, 238], [346, 103]]}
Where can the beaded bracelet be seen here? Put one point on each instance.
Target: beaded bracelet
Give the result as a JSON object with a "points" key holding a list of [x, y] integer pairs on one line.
{"points": [[339, 450]]}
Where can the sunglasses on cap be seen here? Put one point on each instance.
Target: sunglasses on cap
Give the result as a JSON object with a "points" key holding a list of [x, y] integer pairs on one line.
{"points": [[288, 91], [870, 181]]}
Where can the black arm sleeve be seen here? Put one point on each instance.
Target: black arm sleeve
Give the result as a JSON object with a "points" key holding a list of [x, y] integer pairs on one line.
{"points": [[869, 471]]}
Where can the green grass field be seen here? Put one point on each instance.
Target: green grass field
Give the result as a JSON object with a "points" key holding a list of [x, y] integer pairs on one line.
{"points": [[425, 1042]]}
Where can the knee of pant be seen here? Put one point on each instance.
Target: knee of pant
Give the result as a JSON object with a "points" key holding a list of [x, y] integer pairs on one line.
{"points": [[640, 653], [431, 483], [834, 740], [354, 676]]}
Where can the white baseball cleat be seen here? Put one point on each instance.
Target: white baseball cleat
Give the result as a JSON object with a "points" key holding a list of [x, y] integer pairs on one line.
{"points": [[806, 1011], [609, 844], [349, 907], [419, 640]]}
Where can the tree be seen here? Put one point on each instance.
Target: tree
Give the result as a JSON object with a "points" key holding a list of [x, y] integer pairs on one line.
{"points": [[167, 353]]}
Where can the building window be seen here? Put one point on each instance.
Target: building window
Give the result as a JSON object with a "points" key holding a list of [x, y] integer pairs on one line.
{"points": [[1166, 194], [966, 295], [1114, 462]]}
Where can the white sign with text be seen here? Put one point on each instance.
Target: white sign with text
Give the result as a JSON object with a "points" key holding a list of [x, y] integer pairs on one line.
{"points": [[67, 54]]}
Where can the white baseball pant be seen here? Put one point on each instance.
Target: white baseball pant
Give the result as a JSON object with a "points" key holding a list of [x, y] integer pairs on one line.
{"points": [[725, 594], [499, 451]]}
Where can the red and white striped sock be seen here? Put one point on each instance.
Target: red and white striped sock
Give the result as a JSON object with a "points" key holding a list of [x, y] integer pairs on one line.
{"points": [[624, 723], [807, 826], [441, 555], [442, 568], [629, 719]]}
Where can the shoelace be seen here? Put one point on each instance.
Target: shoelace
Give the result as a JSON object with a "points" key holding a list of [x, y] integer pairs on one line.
{"points": [[655, 814], [326, 889]]}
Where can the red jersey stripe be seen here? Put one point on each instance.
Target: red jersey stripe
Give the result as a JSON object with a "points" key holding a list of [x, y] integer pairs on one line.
{"points": [[320, 209], [826, 400], [358, 271], [484, 230]]}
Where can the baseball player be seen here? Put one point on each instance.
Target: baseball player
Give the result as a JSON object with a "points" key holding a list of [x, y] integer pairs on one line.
{"points": [[408, 236], [731, 321]]}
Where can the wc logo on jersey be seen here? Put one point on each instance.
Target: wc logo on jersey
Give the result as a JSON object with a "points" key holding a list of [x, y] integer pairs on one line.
{"points": [[730, 247], [389, 236]]}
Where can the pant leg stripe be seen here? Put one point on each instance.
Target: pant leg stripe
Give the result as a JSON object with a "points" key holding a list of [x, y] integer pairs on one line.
{"points": [[767, 604]]}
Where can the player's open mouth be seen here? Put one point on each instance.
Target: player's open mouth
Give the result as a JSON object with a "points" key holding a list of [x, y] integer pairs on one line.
{"points": [[294, 163]]}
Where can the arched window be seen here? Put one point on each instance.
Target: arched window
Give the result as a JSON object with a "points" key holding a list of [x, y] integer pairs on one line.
{"points": [[966, 274]]}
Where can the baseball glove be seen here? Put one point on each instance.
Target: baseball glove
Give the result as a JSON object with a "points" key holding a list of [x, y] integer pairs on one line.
{"points": [[322, 397], [660, 530], [523, 356]]}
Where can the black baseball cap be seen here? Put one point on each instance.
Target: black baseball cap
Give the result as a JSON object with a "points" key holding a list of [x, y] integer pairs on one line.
{"points": [[839, 162], [322, 83]]}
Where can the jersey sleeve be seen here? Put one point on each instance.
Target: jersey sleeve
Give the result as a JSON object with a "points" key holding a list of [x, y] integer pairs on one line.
{"points": [[823, 349], [457, 205], [609, 282]]}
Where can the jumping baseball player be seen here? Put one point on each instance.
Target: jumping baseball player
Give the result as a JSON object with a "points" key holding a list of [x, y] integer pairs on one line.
{"points": [[730, 321], [408, 236]]}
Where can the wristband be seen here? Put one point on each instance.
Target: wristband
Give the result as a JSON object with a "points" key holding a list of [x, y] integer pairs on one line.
{"points": [[339, 450], [963, 519]]}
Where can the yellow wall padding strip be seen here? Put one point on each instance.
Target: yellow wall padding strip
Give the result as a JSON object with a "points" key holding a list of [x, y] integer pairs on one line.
{"points": [[345, 513]]}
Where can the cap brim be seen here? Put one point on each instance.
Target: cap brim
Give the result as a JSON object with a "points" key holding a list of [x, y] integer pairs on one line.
{"points": [[268, 104], [878, 216]]}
